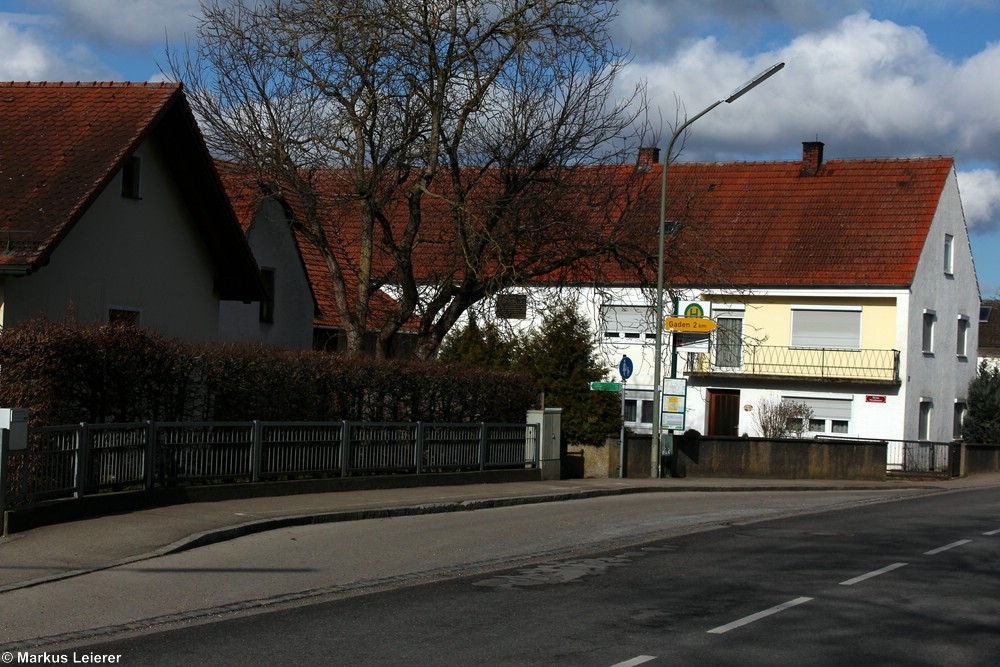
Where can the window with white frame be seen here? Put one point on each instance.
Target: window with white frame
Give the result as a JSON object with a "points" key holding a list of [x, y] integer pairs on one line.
{"points": [[826, 327], [924, 424], [962, 339], [927, 336], [829, 415], [630, 323], [959, 419], [949, 254], [638, 408]]}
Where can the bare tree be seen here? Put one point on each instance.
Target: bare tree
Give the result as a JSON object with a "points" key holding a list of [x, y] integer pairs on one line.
{"points": [[437, 150], [782, 418]]}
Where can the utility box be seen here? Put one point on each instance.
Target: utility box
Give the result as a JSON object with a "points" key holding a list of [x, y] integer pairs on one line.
{"points": [[15, 422], [549, 440]]}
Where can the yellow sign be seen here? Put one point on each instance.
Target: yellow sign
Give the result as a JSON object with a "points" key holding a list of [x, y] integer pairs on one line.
{"points": [[689, 324]]}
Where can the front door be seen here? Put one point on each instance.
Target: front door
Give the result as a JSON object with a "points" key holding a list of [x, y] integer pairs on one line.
{"points": [[723, 412]]}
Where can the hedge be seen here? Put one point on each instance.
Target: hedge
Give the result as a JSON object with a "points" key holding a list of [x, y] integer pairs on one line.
{"points": [[66, 373]]}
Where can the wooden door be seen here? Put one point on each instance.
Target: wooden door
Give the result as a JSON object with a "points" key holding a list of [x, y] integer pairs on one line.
{"points": [[723, 412]]}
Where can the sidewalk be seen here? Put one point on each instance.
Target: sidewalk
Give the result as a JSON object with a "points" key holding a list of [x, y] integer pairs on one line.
{"points": [[60, 551]]}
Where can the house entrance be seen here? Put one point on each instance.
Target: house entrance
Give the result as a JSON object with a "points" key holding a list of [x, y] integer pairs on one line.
{"points": [[723, 412]]}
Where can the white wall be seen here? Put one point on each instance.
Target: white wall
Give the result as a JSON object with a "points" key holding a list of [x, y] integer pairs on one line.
{"points": [[942, 376], [273, 246], [143, 254]]}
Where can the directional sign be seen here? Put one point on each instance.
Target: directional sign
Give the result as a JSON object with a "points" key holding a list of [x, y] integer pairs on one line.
{"points": [[689, 324], [625, 367], [605, 386]]}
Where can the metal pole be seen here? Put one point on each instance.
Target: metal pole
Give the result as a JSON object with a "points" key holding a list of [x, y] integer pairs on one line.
{"points": [[658, 354], [621, 439]]}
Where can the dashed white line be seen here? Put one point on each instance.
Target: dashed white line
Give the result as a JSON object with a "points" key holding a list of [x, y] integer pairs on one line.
{"points": [[946, 547], [746, 620], [992, 532], [638, 660], [873, 573]]}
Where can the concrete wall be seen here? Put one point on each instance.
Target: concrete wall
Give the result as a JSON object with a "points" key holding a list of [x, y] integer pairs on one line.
{"points": [[779, 459]]}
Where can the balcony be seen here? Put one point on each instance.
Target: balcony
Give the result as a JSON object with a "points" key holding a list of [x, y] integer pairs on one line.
{"points": [[777, 362]]}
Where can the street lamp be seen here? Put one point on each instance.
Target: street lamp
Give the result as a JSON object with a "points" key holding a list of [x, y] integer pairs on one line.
{"points": [[658, 357]]}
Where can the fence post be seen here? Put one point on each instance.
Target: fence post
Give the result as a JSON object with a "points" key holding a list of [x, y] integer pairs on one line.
{"points": [[82, 458], [256, 448], [345, 449], [419, 448], [482, 446], [4, 449], [149, 469]]}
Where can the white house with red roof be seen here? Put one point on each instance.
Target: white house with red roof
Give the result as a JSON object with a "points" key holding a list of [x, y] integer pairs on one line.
{"points": [[111, 210], [846, 285]]}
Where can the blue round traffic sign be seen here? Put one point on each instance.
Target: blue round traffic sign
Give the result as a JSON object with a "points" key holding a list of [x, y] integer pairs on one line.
{"points": [[625, 367]]}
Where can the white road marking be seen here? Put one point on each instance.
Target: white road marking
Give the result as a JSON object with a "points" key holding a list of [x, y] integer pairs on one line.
{"points": [[992, 532], [873, 573], [946, 547], [638, 660], [759, 615]]}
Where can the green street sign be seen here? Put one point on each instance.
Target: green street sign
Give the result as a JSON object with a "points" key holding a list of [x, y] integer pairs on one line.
{"points": [[605, 386]]}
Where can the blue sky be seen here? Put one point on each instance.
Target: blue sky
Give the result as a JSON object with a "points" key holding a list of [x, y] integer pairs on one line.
{"points": [[887, 78]]}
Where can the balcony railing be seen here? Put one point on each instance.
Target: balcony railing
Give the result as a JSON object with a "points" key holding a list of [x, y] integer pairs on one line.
{"points": [[866, 365]]}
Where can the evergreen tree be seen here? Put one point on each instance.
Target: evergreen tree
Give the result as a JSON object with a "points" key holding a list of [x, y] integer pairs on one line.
{"points": [[560, 354], [478, 346], [982, 420]]}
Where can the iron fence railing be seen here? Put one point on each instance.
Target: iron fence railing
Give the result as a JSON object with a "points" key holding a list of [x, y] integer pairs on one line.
{"points": [[775, 360], [84, 459]]}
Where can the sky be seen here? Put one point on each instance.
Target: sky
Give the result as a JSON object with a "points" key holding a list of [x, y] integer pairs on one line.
{"points": [[869, 78]]}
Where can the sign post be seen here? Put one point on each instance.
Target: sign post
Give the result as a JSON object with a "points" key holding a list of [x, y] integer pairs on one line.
{"points": [[625, 370]]}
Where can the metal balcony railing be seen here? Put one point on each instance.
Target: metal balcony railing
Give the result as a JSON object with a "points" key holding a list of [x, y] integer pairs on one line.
{"points": [[865, 365]]}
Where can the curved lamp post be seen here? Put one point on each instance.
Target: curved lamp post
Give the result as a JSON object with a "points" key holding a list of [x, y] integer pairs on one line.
{"points": [[658, 358]]}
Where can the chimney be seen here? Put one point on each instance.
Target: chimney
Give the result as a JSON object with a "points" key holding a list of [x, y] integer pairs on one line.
{"points": [[648, 157], [812, 157]]}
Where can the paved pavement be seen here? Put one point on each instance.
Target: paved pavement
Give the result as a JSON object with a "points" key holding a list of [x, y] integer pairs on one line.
{"points": [[60, 551]]}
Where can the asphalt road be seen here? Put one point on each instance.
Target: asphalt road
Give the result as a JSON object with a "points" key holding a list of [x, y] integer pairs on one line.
{"points": [[911, 582]]}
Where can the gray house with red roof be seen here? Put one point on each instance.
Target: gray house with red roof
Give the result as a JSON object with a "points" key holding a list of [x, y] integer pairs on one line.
{"points": [[111, 210]]}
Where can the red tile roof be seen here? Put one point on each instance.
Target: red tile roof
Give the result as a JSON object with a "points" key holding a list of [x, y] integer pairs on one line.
{"points": [[852, 223], [62, 143]]}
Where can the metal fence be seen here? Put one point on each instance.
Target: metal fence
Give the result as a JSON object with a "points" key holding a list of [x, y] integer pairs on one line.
{"points": [[782, 361], [919, 456], [73, 461]]}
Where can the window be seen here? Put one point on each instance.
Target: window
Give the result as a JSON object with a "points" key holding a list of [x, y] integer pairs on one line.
{"points": [[830, 415], [512, 306], [639, 407], [123, 316], [949, 254], [927, 341], [962, 342], [267, 303], [629, 322], [729, 342], [826, 328], [130, 177], [959, 420], [924, 426]]}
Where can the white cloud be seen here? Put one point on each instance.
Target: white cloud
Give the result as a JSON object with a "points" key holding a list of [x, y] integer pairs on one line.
{"points": [[27, 54], [135, 22], [865, 87], [980, 190]]}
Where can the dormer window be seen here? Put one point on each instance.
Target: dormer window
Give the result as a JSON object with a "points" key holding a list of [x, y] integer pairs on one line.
{"points": [[130, 178]]}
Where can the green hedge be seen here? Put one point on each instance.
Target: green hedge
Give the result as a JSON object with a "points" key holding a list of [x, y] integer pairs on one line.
{"points": [[65, 373]]}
